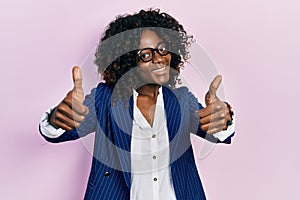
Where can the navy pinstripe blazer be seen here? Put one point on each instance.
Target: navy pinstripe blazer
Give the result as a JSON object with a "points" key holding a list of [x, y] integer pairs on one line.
{"points": [[110, 176]]}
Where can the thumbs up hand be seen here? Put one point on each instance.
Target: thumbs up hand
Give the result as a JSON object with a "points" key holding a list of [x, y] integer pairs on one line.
{"points": [[71, 112], [216, 114]]}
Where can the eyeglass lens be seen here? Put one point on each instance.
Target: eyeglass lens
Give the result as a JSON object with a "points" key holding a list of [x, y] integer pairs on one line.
{"points": [[147, 54]]}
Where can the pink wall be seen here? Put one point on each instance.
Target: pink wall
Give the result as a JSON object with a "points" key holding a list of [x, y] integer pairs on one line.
{"points": [[255, 45]]}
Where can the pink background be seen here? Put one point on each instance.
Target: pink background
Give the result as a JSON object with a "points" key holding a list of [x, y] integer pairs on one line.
{"points": [[254, 44]]}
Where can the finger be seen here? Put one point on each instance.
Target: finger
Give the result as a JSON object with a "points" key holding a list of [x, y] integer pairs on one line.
{"points": [[54, 121], [216, 124], [66, 110], [215, 85], [212, 108], [77, 77], [77, 81], [213, 117], [75, 104], [211, 95], [64, 119], [215, 130], [61, 125], [211, 127]]}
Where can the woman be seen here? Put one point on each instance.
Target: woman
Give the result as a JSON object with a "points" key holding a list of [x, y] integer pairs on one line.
{"points": [[142, 121]]}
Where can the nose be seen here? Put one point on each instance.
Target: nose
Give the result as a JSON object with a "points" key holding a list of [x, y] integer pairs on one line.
{"points": [[156, 57]]}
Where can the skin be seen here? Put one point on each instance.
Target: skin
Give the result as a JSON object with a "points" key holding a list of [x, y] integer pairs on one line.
{"points": [[214, 117], [71, 111], [149, 70], [147, 97]]}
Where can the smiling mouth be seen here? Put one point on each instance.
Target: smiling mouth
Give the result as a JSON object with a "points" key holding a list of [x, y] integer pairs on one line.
{"points": [[159, 69]]}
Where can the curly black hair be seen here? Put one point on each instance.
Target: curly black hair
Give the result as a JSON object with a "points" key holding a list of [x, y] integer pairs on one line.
{"points": [[116, 53]]}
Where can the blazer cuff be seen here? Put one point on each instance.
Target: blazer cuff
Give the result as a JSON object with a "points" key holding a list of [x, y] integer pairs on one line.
{"points": [[47, 129], [223, 135]]}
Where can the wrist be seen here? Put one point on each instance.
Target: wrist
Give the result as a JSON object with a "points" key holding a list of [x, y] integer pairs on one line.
{"points": [[231, 113], [51, 116]]}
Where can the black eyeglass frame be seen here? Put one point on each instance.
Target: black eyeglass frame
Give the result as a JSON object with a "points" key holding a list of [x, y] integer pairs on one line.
{"points": [[157, 49]]}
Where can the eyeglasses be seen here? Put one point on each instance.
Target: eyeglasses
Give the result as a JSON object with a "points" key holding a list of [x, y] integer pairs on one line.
{"points": [[147, 54]]}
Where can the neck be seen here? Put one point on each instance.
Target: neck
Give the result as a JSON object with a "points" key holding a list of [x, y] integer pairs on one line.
{"points": [[149, 90]]}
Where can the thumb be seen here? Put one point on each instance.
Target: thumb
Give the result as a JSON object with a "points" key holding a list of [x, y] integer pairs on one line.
{"points": [[77, 81], [77, 77], [215, 85], [210, 96]]}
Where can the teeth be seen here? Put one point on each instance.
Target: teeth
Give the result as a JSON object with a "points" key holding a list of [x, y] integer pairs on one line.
{"points": [[160, 69]]}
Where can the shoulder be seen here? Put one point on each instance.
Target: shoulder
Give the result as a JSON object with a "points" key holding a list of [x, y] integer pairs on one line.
{"points": [[178, 92], [103, 89], [101, 93], [182, 90], [102, 86], [183, 95]]}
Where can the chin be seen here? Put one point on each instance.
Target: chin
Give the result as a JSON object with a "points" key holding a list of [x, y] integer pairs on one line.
{"points": [[161, 77], [161, 80]]}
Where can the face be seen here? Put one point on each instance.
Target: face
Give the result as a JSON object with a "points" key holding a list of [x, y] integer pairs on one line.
{"points": [[157, 69]]}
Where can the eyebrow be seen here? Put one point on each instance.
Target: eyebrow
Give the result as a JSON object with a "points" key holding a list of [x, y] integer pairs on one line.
{"points": [[161, 42]]}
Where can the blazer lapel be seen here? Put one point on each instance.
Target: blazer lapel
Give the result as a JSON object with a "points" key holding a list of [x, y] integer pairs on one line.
{"points": [[122, 128], [173, 114]]}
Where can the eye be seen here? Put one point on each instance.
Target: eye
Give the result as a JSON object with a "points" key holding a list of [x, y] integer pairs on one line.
{"points": [[163, 50], [144, 55]]}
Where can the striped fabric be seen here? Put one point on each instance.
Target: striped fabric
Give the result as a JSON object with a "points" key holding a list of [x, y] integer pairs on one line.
{"points": [[110, 172]]}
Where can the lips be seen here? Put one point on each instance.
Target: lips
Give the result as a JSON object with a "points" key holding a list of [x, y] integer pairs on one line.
{"points": [[161, 69]]}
